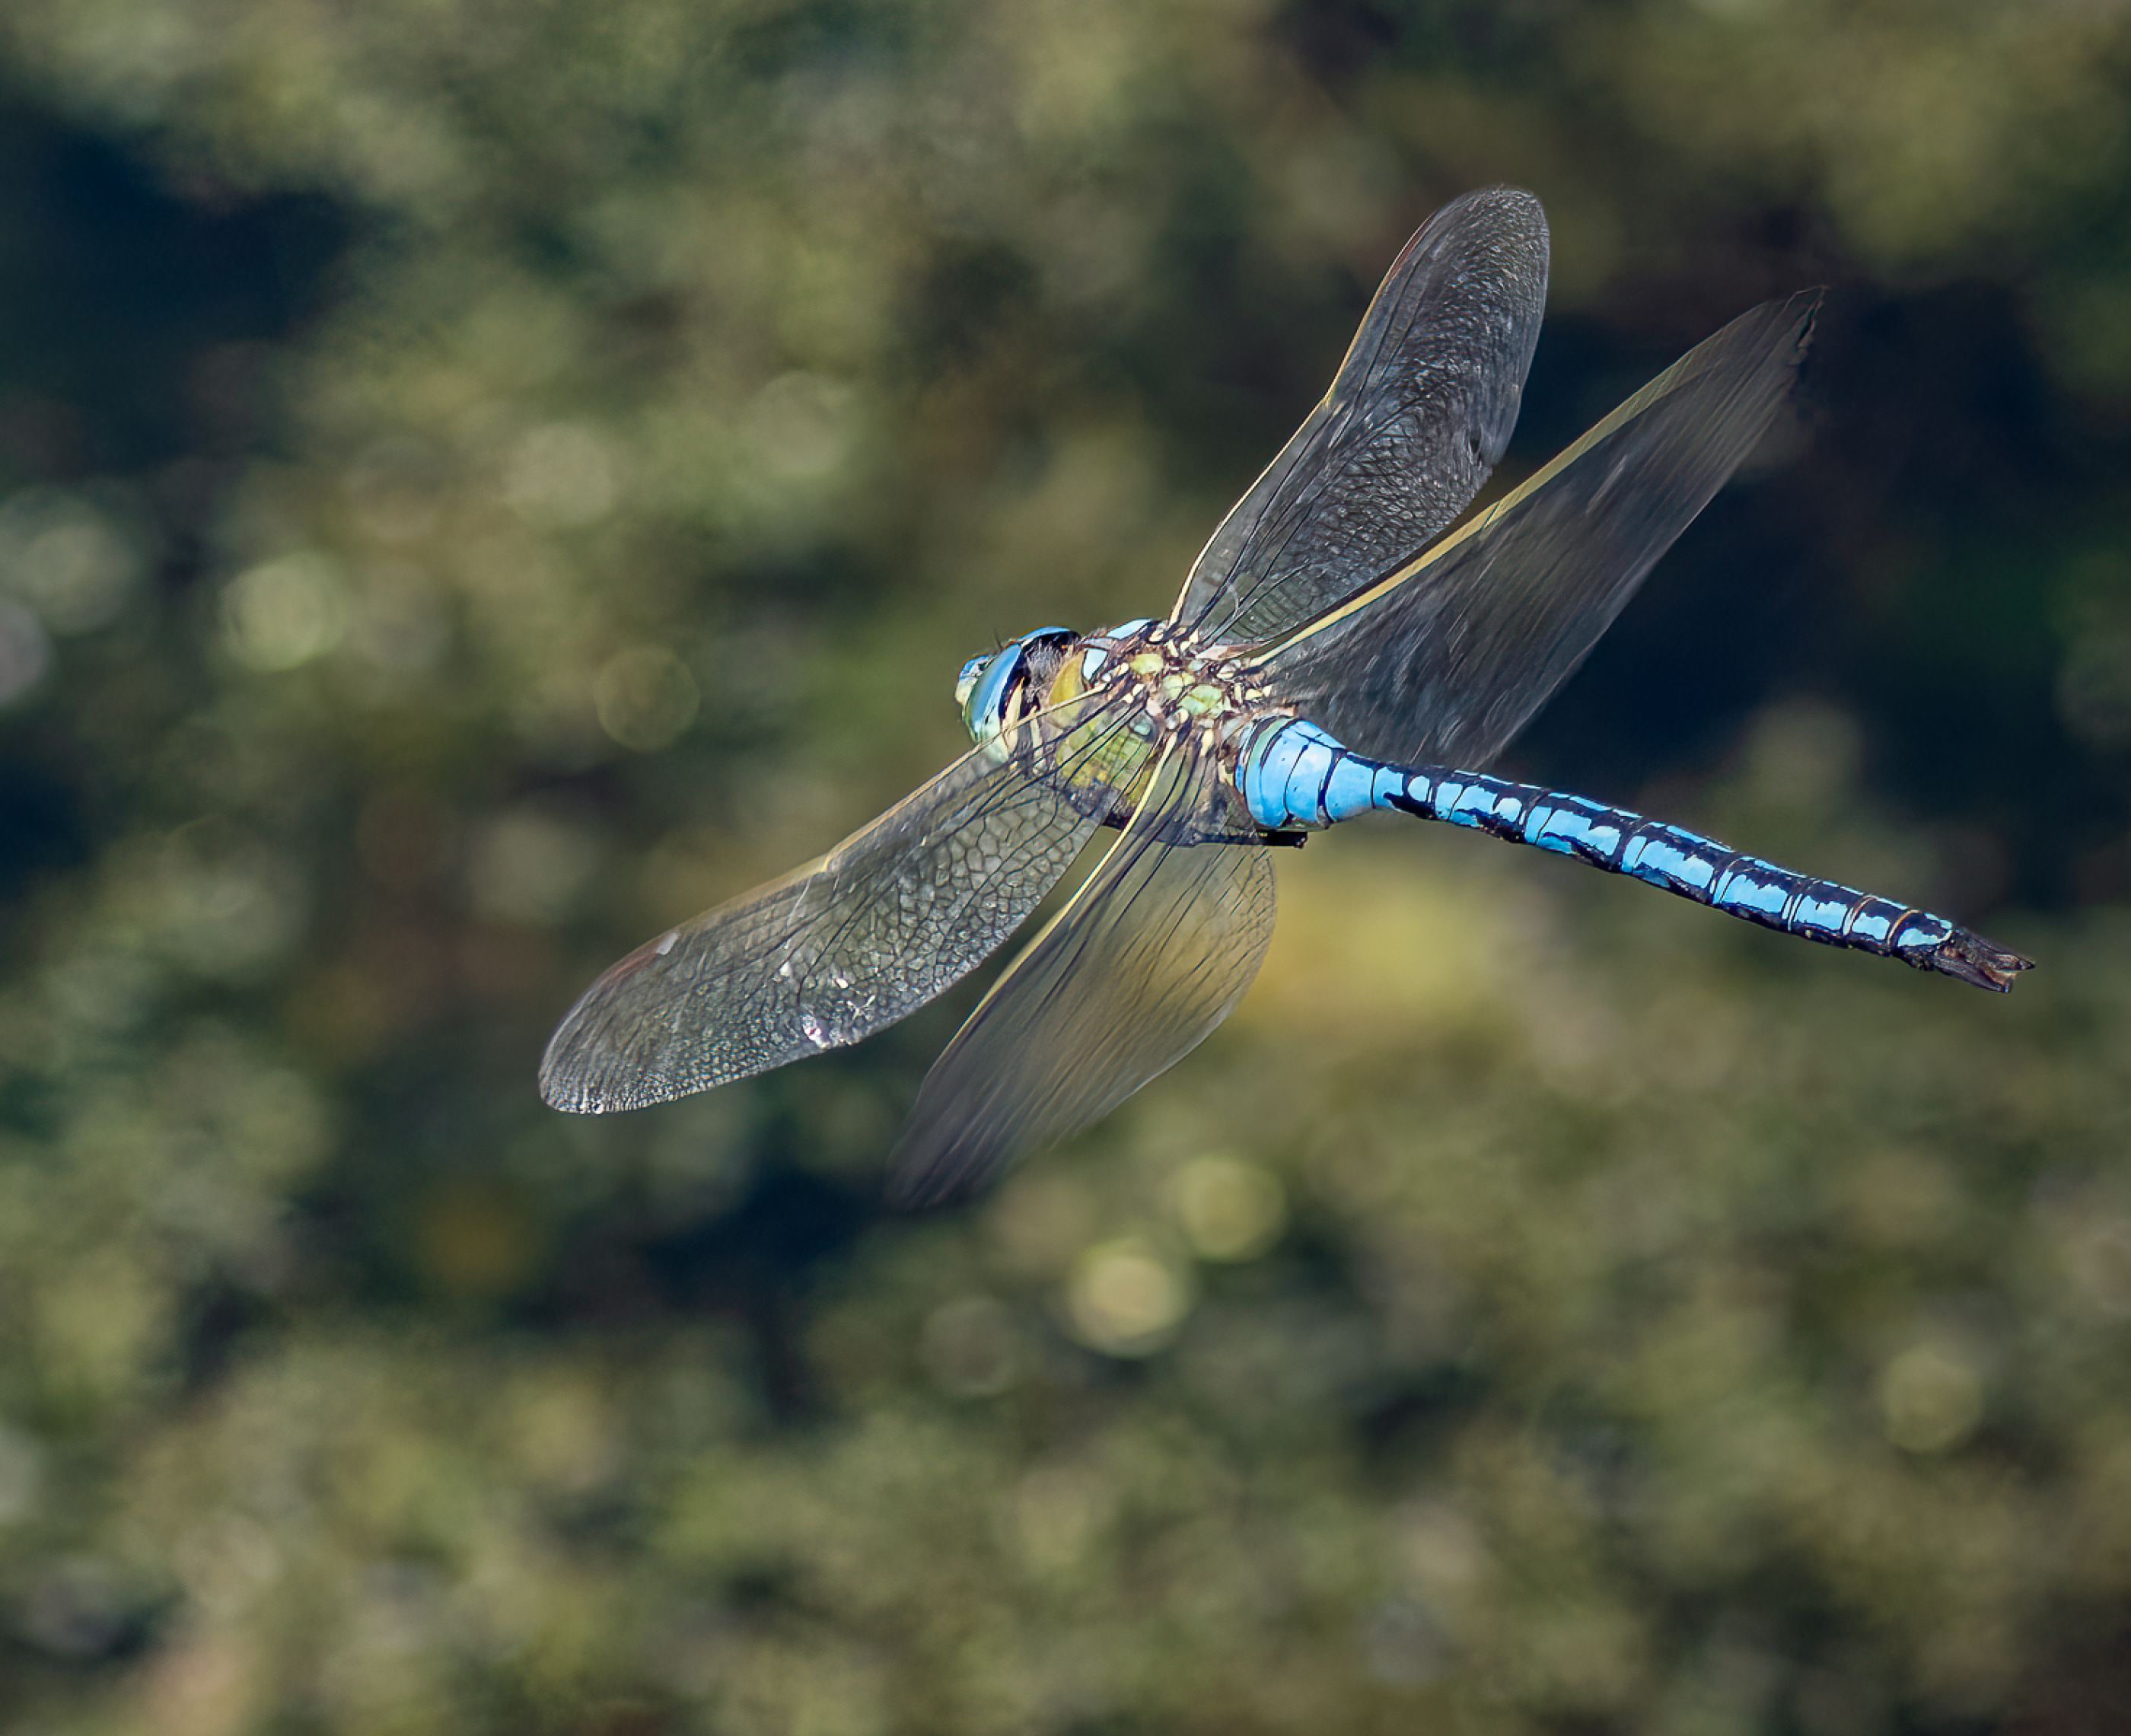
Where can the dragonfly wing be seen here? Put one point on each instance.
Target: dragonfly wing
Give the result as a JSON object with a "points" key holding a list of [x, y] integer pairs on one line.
{"points": [[834, 951], [1152, 953], [1416, 417], [1443, 661]]}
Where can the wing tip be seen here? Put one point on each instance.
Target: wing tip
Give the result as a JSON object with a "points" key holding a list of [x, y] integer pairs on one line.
{"points": [[942, 1156], [585, 1068], [925, 1182], [1804, 307], [1506, 192], [1518, 205], [572, 1078], [571, 1097], [559, 1089], [912, 1194]]}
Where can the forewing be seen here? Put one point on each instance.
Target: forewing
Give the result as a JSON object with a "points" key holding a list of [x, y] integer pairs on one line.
{"points": [[1152, 953], [1443, 661], [833, 952], [1418, 414]]}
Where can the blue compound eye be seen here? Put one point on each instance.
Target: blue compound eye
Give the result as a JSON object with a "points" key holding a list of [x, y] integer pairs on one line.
{"points": [[988, 684], [984, 707]]}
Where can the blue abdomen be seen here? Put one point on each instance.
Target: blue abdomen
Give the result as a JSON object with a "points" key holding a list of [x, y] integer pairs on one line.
{"points": [[1292, 775]]}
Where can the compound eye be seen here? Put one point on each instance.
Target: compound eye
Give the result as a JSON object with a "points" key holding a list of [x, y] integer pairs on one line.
{"points": [[984, 709], [968, 679]]}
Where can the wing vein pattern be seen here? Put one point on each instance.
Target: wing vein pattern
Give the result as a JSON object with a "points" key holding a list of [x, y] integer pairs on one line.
{"points": [[1443, 661], [841, 948], [1151, 954], [1417, 416]]}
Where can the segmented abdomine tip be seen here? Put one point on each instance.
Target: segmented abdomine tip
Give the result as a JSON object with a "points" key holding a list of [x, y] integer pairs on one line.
{"points": [[1971, 959]]}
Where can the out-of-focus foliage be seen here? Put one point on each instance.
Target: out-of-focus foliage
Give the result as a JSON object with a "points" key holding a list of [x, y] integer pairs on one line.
{"points": [[479, 481]]}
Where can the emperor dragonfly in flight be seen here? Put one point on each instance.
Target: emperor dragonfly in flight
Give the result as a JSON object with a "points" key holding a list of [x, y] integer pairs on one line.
{"points": [[1332, 652]]}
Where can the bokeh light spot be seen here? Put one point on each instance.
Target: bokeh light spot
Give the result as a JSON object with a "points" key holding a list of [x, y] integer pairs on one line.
{"points": [[798, 424], [2100, 1253], [284, 612], [228, 906], [1931, 1399], [25, 652], [528, 865], [1056, 1512], [562, 476], [645, 697], [72, 561], [1440, 1549], [1124, 1300], [1230, 1209]]}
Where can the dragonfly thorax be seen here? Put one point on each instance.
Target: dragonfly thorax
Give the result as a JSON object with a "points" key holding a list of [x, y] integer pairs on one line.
{"points": [[1176, 683], [1095, 713], [1171, 681]]}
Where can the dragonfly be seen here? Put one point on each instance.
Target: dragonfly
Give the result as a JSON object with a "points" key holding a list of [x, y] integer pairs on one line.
{"points": [[1339, 648]]}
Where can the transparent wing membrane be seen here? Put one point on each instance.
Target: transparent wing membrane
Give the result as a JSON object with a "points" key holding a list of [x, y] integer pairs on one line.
{"points": [[1152, 953], [1416, 417], [1444, 660], [841, 948]]}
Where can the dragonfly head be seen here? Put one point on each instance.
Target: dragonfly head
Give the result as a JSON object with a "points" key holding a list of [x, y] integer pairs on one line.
{"points": [[993, 688]]}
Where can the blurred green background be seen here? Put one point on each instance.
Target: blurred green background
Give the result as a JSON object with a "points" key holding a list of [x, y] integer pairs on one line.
{"points": [[481, 481]]}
